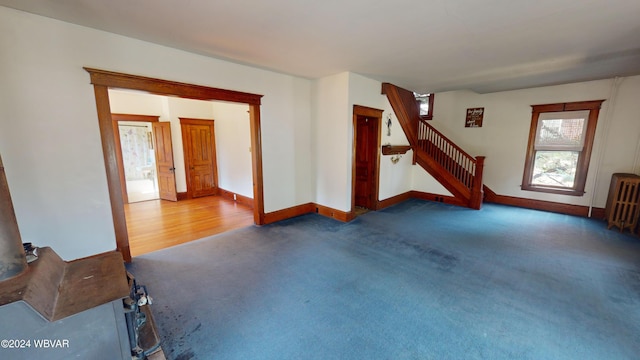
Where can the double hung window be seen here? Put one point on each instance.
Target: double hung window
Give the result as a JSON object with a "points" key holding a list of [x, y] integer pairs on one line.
{"points": [[560, 141]]}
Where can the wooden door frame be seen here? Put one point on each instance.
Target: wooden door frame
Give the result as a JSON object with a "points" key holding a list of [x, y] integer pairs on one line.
{"points": [[103, 80], [116, 135], [187, 157], [376, 116]]}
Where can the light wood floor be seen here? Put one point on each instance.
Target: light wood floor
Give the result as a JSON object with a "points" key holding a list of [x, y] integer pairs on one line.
{"points": [[157, 224]]}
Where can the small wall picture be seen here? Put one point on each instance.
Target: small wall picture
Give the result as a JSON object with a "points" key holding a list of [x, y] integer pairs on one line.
{"points": [[474, 117]]}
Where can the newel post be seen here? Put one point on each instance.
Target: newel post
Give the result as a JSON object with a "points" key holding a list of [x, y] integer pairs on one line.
{"points": [[476, 190]]}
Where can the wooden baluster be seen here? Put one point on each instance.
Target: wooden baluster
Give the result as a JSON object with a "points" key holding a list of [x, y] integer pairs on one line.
{"points": [[454, 163], [450, 157], [470, 169], [466, 171], [445, 158], [459, 163], [441, 147]]}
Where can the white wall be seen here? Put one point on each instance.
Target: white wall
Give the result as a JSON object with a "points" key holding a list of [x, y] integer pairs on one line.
{"points": [[233, 147], [333, 142], [504, 134], [394, 178], [49, 137], [137, 103], [331, 128]]}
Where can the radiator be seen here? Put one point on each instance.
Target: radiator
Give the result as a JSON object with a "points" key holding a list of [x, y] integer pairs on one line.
{"points": [[623, 202]]}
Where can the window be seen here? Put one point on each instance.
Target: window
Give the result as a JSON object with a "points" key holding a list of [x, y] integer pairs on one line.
{"points": [[559, 149], [425, 105]]}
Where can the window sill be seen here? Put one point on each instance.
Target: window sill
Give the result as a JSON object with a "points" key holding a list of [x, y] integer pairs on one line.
{"points": [[553, 190]]}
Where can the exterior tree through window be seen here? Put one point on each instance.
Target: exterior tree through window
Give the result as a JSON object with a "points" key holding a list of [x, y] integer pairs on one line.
{"points": [[560, 141]]}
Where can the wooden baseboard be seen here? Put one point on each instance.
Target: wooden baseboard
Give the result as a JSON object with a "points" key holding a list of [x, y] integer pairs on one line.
{"points": [[541, 205], [287, 213], [334, 214], [394, 200], [182, 196], [446, 199], [597, 213], [568, 209], [489, 196], [308, 208], [240, 199]]}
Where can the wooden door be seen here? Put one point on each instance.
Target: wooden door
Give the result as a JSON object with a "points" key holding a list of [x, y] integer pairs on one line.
{"points": [[365, 161], [198, 141], [164, 161]]}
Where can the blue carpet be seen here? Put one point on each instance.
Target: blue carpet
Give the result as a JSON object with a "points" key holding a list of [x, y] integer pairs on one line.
{"points": [[419, 280]]}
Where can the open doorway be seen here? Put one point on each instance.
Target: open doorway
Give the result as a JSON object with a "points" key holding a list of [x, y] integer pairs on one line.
{"points": [[138, 159], [136, 156], [104, 80], [208, 133], [189, 137]]}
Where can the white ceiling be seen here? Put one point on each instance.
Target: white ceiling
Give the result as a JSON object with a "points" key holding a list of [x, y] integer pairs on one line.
{"points": [[424, 46]]}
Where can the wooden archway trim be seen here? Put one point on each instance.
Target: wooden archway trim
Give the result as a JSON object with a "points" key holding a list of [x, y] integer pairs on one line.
{"points": [[103, 80], [165, 87]]}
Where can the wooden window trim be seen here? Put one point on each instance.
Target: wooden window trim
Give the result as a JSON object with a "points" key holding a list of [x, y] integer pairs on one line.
{"points": [[585, 155]]}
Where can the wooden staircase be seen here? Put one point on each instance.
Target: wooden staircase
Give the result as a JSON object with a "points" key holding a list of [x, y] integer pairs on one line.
{"points": [[457, 171]]}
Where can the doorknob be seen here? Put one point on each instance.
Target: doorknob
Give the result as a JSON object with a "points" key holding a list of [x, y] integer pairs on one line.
{"points": [[172, 169]]}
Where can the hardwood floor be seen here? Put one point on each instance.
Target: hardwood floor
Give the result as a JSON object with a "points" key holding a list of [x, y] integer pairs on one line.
{"points": [[157, 224]]}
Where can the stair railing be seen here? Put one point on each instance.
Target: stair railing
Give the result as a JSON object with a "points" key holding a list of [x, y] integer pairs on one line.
{"points": [[463, 167], [449, 155]]}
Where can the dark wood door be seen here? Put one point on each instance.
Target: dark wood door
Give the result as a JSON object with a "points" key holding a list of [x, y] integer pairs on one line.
{"points": [[200, 157], [365, 157], [164, 161]]}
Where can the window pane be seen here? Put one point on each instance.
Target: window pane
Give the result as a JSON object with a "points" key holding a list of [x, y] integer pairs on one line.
{"points": [[555, 168], [561, 132], [423, 101]]}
